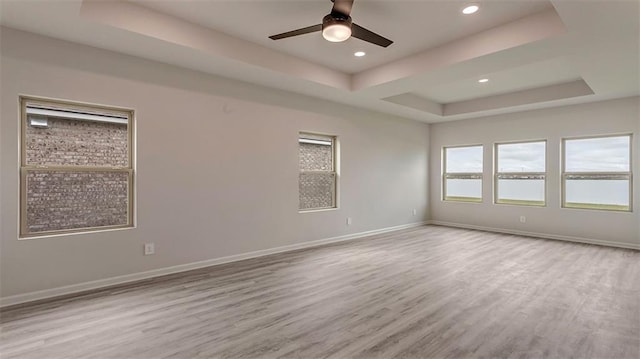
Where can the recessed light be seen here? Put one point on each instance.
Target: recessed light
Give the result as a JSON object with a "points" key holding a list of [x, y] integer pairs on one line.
{"points": [[359, 53], [470, 9], [483, 81]]}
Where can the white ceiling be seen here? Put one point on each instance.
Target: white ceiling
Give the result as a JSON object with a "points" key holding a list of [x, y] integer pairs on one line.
{"points": [[537, 74], [584, 50], [424, 24]]}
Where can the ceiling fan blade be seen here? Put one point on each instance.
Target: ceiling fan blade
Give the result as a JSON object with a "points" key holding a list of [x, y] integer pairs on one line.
{"points": [[342, 6], [361, 33], [304, 30]]}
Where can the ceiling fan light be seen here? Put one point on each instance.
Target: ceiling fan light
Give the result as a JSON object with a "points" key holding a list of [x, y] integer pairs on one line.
{"points": [[336, 32], [336, 27]]}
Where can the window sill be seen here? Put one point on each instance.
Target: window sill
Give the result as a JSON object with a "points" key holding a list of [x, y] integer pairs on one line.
{"points": [[456, 200], [601, 208], [521, 203], [317, 210], [73, 233]]}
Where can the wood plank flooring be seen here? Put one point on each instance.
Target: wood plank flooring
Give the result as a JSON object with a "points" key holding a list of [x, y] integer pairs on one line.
{"points": [[430, 292]]}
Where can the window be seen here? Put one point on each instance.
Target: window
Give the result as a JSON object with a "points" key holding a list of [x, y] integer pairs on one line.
{"points": [[462, 178], [520, 173], [597, 173], [317, 180], [76, 167]]}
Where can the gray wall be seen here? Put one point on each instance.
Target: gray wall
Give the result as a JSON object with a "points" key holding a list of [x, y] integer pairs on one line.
{"points": [[608, 117], [217, 165]]}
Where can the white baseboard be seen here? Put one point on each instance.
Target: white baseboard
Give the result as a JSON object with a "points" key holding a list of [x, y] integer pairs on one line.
{"points": [[101, 283], [539, 235]]}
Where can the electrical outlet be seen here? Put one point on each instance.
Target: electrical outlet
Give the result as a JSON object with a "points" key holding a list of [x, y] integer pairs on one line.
{"points": [[523, 219], [349, 221], [415, 211], [149, 249]]}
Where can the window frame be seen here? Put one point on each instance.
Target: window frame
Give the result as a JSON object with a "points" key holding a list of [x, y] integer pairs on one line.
{"points": [[496, 174], [461, 175], [25, 167], [595, 175], [334, 171]]}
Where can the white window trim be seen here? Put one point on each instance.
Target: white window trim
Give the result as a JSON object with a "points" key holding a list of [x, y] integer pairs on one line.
{"points": [[334, 164], [27, 106], [497, 174], [461, 175], [628, 176]]}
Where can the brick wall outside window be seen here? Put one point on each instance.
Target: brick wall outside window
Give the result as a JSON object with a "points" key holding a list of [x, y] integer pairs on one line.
{"points": [[62, 200], [78, 143], [317, 179], [69, 200]]}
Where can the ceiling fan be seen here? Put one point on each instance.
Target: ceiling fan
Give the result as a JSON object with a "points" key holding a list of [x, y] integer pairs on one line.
{"points": [[337, 27]]}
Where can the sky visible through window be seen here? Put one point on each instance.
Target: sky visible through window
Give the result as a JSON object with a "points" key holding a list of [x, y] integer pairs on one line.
{"points": [[464, 159], [521, 157], [605, 154]]}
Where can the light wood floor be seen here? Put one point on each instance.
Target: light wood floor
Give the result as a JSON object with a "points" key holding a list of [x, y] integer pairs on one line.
{"points": [[431, 292]]}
